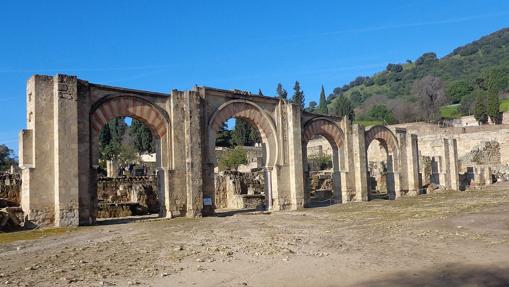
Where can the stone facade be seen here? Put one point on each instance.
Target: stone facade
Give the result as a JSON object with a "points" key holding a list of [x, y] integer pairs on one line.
{"points": [[58, 150]]}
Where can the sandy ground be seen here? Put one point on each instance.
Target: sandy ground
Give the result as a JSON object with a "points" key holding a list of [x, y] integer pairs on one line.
{"points": [[443, 239]]}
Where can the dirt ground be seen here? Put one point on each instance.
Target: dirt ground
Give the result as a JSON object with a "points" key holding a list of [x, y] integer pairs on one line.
{"points": [[443, 239]]}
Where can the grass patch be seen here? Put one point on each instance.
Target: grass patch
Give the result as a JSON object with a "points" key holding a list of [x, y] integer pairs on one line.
{"points": [[32, 234], [504, 105], [450, 112]]}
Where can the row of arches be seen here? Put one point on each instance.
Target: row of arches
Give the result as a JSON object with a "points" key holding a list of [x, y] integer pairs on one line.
{"points": [[158, 120], [184, 126]]}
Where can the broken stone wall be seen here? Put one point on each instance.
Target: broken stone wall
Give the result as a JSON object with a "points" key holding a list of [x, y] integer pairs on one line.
{"points": [[320, 183], [124, 196], [236, 190]]}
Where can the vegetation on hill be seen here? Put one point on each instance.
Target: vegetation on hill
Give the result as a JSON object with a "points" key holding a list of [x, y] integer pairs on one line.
{"points": [[472, 76]]}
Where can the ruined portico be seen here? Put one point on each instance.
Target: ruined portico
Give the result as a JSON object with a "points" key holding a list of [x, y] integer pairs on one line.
{"points": [[58, 150]]}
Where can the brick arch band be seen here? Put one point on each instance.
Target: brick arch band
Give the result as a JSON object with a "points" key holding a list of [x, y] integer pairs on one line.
{"points": [[251, 113], [129, 106], [387, 139], [384, 135], [325, 128]]}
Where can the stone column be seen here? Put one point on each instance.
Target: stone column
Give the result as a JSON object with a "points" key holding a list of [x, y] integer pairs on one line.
{"points": [[453, 165], [295, 157], [400, 167], [347, 162], [65, 131], [306, 180], [335, 176], [268, 187], [193, 152], [445, 165], [397, 184], [359, 163], [413, 165]]}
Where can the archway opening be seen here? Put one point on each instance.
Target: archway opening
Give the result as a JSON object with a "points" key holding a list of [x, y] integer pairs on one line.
{"points": [[239, 169], [320, 163], [127, 183], [381, 181], [322, 142]]}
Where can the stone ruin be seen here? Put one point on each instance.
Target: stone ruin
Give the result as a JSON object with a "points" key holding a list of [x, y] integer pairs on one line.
{"points": [[238, 190], [320, 184], [10, 212], [378, 178], [126, 196], [117, 197]]}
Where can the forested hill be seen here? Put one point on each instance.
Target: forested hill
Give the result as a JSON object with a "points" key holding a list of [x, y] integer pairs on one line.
{"points": [[458, 75]]}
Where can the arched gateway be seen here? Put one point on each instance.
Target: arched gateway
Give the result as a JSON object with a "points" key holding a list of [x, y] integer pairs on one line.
{"points": [[58, 150]]}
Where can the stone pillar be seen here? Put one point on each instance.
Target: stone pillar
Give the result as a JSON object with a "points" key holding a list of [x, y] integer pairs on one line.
{"points": [[359, 163], [193, 153], [335, 176], [111, 168], [400, 167], [306, 180], [445, 165], [347, 163], [412, 151], [65, 131], [397, 184], [268, 187], [36, 152], [453, 165], [487, 175], [295, 157]]}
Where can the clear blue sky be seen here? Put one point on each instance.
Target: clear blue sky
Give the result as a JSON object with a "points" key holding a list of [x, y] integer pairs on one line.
{"points": [[162, 45]]}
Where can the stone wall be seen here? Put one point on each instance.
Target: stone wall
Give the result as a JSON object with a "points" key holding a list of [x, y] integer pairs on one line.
{"points": [[236, 190], [123, 196]]}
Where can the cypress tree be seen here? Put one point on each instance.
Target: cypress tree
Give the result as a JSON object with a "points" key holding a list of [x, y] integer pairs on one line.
{"points": [[494, 83], [322, 108], [298, 96], [480, 111], [281, 92]]}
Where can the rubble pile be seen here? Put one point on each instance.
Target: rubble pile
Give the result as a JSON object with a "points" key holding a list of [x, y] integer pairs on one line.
{"points": [[125, 196], [488, 152], [10, 188]]}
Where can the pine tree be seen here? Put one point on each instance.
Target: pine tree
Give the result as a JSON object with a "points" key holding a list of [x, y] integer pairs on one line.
{"points": [[244, 134], [142, 137], [322, 108], [105, 136], [224, 136], [480, 111], [298, 96], [240, 134], [281, 92]]}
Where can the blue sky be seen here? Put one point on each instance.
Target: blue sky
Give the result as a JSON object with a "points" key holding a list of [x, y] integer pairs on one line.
{"points": [[165, 45]]}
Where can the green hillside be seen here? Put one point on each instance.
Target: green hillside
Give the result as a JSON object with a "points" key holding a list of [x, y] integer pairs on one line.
{"points": [[461, 72]]}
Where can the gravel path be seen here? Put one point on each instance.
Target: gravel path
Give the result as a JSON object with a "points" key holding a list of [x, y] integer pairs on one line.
{"points": [[443, 239]]}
